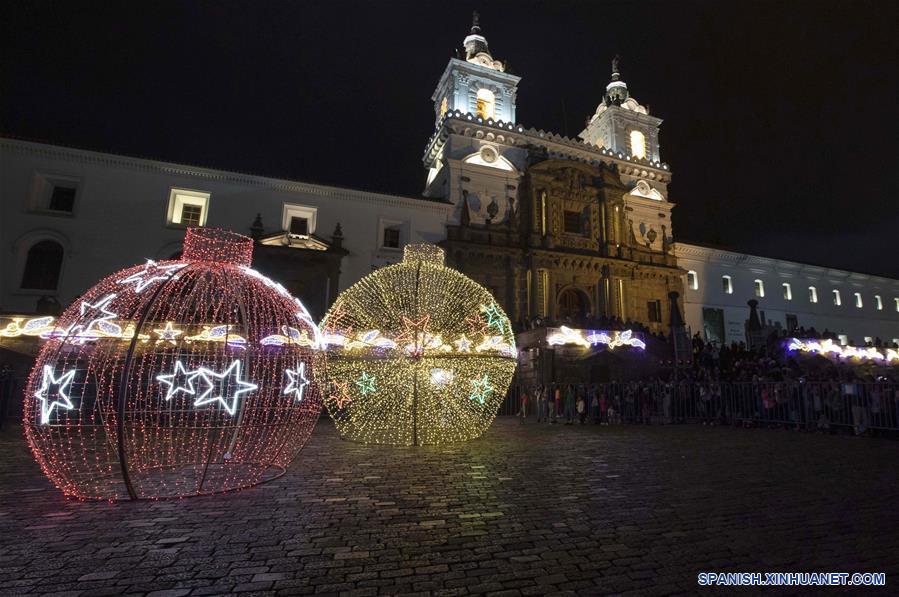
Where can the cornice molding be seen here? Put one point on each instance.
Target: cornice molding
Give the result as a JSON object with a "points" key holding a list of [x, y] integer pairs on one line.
{"points": [[108, 160], [556, 145], [779, 266]]}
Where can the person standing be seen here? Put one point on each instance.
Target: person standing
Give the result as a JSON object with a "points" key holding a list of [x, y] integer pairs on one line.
{"points": [[557, 404], [523, 409], [581, 408], [666, 402], [594, 403], [569, 404], [541, 403]]}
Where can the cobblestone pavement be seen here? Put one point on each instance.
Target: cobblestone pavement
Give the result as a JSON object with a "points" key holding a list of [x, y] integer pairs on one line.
{"points": [[525, 510]]}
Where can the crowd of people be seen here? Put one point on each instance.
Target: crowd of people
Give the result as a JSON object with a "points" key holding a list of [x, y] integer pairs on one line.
{"points": [[850, 403], [732, 385]]}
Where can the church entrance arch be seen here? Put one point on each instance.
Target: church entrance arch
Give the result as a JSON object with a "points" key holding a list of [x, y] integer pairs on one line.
{"points": [[573, 303]]}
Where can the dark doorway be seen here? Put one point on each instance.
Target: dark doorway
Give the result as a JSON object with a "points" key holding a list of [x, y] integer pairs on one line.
{"points": [[572, 303]]}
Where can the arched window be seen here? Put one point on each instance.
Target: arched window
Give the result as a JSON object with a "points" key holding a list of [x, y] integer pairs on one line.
{"points": [[572, 303], [42, 266], [788, 291], [759, 288], [638, 144], [486, 103], [692, 280]]}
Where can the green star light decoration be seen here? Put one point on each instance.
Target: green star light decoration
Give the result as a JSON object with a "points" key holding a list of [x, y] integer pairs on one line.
{"points": [[482, 389], [366, 384]]}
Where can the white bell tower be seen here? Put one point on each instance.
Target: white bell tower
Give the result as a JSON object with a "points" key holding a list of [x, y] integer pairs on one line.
{"points": [[476, 84], [622, 124]]}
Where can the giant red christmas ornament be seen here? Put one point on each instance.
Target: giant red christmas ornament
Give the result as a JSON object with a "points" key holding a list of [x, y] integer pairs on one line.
{"points": [[175, 378]]}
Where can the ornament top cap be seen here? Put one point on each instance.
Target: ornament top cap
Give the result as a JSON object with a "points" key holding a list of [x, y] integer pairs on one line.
{"points": [[423, 253], [220, 246]]}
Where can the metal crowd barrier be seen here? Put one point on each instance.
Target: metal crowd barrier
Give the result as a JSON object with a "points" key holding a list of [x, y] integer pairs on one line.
{"points": [[825, 406]]}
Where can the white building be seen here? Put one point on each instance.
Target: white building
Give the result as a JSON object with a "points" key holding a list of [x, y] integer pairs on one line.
{"points": [[68, 217], [857, 307]]}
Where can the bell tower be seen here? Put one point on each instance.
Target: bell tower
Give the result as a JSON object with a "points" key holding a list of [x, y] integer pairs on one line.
{"points": [[475, 83], [622, 124]]}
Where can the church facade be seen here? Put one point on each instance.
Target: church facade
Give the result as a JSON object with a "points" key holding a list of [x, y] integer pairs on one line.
{"points": [[558, 229]]}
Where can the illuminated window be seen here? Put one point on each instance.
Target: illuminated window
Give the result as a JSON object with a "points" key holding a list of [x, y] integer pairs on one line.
{"points": [[727, 284], [543, 213], [486, 103], [878, 302], [638, 145], [188, 208], [812, 294], [759, 288], [896, 300], [837, 299], [443, 106], [191, 215], [788, 292], [542, 292], [843, 338], [858, 300], [616, 226], [692, 280]]}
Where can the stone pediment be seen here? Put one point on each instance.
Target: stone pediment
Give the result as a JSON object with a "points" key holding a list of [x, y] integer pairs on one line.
{"points": [[642, 189]]}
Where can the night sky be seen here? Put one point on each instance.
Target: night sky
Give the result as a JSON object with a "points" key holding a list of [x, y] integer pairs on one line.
{"points": [[780, 121]]}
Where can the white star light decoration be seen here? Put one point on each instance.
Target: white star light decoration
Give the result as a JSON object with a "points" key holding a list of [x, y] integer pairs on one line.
{"points": [[168, 334], [61, 399], [296, 381], [151, 273], [98, 325], [217, 385], [174, 387], [224, 379]]}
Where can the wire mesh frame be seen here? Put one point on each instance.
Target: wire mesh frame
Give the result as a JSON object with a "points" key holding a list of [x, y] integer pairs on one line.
{"points": [[120, 437], [407, 408]]}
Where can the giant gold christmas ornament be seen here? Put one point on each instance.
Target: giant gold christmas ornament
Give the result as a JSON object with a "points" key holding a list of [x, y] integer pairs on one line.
{"points": [[417, 353]]}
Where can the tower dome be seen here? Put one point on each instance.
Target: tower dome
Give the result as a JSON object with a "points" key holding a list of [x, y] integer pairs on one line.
{"points": [[616, 90], [476, 49]]}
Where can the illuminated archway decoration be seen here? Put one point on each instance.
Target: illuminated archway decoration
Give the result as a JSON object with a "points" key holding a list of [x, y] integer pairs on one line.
{"points": [[173, 379], [611, 339], [831, 349], [417, 353]]}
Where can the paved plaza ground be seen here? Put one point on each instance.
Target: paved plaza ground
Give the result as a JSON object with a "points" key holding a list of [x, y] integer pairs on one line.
{"points": [[525, 510]]}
